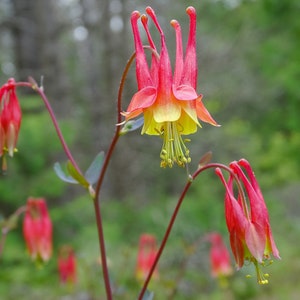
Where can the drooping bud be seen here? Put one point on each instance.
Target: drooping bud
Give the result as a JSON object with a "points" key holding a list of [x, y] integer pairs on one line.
{"points": [[37, 230], [146, 255], [10, 120]]}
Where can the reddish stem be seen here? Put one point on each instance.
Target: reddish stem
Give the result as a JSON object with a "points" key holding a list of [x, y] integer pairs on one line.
{"points": [[40, 91], [32, 84], [173, 218], [96, 199]]}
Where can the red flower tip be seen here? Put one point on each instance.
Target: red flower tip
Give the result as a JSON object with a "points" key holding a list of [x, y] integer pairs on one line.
{"points": [[191, 10], [150, 11], [175, 24], [135, 14], [144, 19]]}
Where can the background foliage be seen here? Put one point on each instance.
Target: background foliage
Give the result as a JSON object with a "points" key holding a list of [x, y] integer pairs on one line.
{"points": [[249, 64]]}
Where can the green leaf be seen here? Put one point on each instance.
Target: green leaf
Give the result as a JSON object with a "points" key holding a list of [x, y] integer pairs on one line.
{"points": [[148, 295], [132, 125], [62, 175], [93, 172], [76, 175]]}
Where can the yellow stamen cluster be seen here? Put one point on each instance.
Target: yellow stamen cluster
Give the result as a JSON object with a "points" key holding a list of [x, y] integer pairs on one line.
{"points": [[262, 278], [173, 149]]}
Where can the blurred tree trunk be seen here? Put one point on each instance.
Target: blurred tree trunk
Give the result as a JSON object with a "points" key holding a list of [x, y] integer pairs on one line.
{"points": [[38, 52]]}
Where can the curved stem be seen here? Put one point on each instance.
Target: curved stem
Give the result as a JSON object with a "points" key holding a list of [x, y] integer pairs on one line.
{"points": [[32, 84], [7, 226], [40, 91], [173, 218]]}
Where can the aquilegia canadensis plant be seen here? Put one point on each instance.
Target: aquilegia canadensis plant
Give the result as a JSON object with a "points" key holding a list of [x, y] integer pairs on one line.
{"points": [[166, 104]]}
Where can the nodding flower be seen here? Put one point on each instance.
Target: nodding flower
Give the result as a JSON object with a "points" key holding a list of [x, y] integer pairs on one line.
{"points": [[66, 264], [37, 229], [10, 120], [169, 102], [219, 257], [247, 219], [146, 256]]}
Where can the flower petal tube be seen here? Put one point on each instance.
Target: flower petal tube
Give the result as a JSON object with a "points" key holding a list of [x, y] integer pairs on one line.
{"points": [[37, 229], [10, 120], [248, 221], [169, 103]]}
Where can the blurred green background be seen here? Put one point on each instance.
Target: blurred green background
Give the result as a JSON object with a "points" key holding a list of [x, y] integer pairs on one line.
{"points": [[249, 65]]}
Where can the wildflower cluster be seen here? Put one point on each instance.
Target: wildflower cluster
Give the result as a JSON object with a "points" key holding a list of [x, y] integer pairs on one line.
{"points": [[171, 108]]}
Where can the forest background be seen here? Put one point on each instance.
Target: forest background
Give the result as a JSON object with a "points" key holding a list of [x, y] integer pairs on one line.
{"points": [[249, 71]]}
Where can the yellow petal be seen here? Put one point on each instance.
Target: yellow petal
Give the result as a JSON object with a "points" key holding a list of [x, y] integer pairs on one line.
{"points": [[166, 110], [186, 124], [150, 127], [189, 109]]}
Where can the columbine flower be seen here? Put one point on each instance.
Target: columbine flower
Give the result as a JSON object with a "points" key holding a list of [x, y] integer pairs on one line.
{"points": [[219, 258], [170, 104], [248, 223], [10, 120], [37, 229], [66, 265], [146, 256]]}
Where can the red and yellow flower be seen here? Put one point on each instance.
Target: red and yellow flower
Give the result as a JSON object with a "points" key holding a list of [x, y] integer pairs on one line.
{"points": [[248, 223], [169, 103]]}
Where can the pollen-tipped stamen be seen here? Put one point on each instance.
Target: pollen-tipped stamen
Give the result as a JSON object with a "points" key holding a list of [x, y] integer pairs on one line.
{"points": [[261, 277], [173, 149]]}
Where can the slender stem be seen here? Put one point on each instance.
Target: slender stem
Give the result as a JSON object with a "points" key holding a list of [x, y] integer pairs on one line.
{"points": [[58, 130], [4, 233], [165, 239], [54, 121], [118, 128], [9, 225], [98, 216], [96, 199], [173, 218], [32, 84]]}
